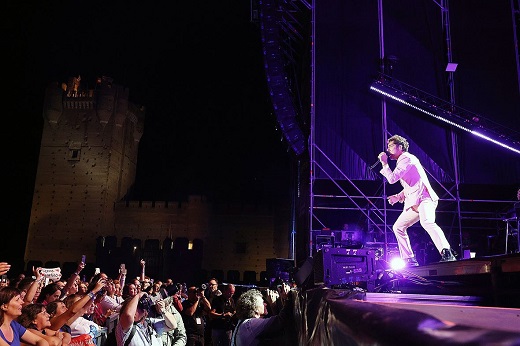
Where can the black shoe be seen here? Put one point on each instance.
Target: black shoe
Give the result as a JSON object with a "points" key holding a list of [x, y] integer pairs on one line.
{"points": [[411, 262], [447, 255]]}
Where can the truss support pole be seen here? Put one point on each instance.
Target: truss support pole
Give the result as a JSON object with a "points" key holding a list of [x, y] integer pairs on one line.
{"points": [[515, 11], [384, 127], [312, 134], [454, 147]]}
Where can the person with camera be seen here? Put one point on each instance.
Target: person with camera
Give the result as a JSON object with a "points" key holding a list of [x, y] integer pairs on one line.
{"points": [[177, 336], [136, 328], [194, 310], [210, 292], [222, 317], [254, 328], [175, 291]]}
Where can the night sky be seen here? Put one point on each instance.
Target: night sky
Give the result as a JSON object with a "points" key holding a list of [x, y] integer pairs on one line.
{"points": [[197, 67]]}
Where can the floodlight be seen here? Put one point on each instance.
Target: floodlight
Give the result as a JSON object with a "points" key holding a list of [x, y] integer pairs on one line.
{"points": [[397, 263]]}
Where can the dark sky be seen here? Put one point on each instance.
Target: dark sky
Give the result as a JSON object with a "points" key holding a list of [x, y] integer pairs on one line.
{"points": [[196, 66]]}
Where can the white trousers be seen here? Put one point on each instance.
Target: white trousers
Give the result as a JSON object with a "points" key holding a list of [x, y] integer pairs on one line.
{"points": [[426, 215]]}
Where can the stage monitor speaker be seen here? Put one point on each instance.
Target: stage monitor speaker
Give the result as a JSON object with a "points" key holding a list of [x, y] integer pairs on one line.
{"points": [[304, 273], [340, 266]]}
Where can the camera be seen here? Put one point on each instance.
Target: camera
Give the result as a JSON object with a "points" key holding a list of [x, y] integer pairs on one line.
{"points": [[148, 301], [202, 287], [174, 289], [145, 303]]}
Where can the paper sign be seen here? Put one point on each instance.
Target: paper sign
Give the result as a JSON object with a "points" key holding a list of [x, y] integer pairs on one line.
{"points": [[53, 274]]}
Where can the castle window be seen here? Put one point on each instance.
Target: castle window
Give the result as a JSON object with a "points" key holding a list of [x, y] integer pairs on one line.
{"points": [[74, 151]]}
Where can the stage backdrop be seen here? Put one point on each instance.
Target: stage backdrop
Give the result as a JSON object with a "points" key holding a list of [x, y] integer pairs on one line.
{"points": [[348, 116]]}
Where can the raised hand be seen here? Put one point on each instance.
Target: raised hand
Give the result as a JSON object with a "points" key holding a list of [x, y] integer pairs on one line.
{"points": [[4, 267]]}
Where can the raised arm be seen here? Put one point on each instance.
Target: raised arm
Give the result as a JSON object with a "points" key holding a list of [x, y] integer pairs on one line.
{"points": [[4, 267], [77, 309], [122, 276], [169, 318], [31, 292], [127, 313], [72, 278], [143, 263]]}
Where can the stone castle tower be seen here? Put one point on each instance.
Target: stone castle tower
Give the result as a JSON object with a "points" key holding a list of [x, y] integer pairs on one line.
{"points": [[87, 163]]}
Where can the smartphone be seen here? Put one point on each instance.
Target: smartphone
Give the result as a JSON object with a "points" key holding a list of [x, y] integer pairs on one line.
{"points": [[83, 259], [97, 271]]}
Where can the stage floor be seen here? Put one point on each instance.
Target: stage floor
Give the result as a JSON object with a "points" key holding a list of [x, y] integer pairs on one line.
{"points": [[486, 281], [490, 281]]}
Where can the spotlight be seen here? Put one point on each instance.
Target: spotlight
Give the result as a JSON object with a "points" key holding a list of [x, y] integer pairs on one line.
{"points": [[397, 263]]}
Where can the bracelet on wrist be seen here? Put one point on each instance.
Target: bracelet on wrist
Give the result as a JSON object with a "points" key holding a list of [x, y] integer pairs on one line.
{"points": [[76, 273], [91, 295]]}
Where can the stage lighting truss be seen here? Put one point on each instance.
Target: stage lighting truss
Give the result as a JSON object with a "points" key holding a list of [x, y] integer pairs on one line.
{"points": [[447, 112]]}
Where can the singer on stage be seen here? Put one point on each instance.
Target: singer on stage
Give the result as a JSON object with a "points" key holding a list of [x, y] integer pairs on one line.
{"points": [[420, 201]]}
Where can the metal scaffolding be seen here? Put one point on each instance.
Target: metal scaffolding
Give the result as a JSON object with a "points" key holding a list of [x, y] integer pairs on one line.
{"points": [[369, 200], [289, 41]]}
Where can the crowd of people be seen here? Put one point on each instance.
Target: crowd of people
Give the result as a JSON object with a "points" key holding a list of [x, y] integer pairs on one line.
{"points": [[43, 311]]}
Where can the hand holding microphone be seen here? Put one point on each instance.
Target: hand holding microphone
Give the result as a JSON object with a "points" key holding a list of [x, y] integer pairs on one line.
{"points": [[382, 157]]}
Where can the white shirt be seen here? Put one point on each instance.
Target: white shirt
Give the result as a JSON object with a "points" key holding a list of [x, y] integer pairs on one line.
{"points": [[82, 326]]}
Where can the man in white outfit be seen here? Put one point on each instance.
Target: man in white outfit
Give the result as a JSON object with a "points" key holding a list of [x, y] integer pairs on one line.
{"points": [[420, 201]]}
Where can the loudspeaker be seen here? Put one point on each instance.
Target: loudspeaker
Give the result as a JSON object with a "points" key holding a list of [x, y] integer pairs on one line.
{"points": [[339, 266], [303, 275]]}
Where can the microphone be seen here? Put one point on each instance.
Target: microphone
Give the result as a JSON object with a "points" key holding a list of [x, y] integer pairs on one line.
{"points": [[375, 164]]}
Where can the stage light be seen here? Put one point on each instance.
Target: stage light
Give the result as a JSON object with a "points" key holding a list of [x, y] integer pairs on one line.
{"points": [[397, 263], [395, 98], [457, 121], [495, 141]]}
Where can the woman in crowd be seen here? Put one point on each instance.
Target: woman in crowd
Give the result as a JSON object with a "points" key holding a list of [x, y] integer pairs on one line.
{"points": [[64, 313], [49, 293], [55, 309], [254, 328], [35, 318], [129, 290], [107, 305], [12, 332], [81, 325], [82, 287]]}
